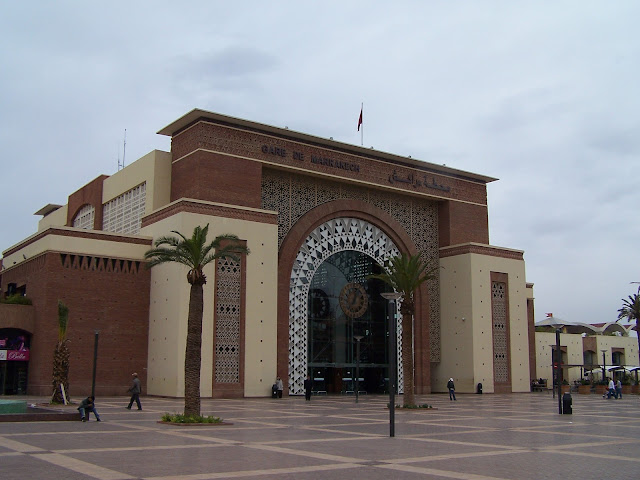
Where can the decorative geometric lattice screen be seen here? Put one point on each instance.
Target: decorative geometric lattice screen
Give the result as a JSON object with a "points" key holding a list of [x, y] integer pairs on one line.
{"points": [[293, 195], [84, 218], [500, 334], [227, 328], [336, 235], [124, 213]]}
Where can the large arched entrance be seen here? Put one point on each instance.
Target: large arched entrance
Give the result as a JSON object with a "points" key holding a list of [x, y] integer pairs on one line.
{"points": [[339, 252]]}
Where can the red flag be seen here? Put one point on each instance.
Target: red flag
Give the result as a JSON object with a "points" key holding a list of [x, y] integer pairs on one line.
{"points": [[360, 119]]}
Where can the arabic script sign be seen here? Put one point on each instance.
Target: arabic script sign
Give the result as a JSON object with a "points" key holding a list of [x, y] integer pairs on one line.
{"points": [[416, 182]]}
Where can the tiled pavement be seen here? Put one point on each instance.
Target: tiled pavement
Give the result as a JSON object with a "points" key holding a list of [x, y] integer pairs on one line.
{"points": [[479, 437]]}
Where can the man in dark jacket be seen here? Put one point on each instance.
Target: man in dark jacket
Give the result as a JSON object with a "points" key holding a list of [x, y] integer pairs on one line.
{"points": [[452, 389], [87, 405], [135, 390], [308, 385]]}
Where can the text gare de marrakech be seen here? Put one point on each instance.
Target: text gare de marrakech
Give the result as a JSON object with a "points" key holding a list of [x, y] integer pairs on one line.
{"points": [[329, 162]]}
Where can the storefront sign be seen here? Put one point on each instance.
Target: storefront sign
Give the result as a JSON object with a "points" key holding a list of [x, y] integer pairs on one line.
{"points": [[14, 355]]}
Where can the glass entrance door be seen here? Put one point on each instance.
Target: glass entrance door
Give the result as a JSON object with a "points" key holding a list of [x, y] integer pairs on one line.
{"points": [[332, 344]]}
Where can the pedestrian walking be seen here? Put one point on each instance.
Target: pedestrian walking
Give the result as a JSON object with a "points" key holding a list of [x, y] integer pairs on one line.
{"points": [[135, 390], [618, 389], [279, 386], [452, 389], [308, 385], [86, 407], [611, 390]]}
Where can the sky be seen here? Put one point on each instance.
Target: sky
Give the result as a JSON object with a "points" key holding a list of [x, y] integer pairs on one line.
{"points": [[542, 95]]}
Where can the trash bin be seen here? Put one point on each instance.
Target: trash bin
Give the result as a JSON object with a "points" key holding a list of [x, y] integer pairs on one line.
{"points": [[274, 391], [479, 388], [566, 404]]}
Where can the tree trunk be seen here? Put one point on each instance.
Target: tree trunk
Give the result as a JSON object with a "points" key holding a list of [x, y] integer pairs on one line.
{"points": [[60, 372], [638, 332], [193, 353], [407, 358]]}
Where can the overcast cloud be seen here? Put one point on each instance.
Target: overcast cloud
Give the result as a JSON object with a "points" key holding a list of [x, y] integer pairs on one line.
{"points": [[542, 95]]}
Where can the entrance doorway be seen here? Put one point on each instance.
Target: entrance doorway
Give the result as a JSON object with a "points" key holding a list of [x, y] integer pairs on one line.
{"points": [[14, 361], [333, 327]]}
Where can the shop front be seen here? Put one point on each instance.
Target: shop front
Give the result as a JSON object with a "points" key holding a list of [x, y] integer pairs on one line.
{"points": [[14, 361]]}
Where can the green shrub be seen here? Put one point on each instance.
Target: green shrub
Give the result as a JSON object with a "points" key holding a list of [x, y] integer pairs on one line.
{"points": [[16, 299], [181, 418]]}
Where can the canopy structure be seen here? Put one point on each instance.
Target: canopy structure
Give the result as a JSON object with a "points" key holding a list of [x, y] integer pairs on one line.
{"points": [[626, 368], [568, 326]]}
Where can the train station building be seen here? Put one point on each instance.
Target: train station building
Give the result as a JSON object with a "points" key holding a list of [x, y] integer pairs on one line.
{"points": [[319, 217]]}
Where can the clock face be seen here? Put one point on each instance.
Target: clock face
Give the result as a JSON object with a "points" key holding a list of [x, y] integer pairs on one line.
{"points": [[354, 300]]}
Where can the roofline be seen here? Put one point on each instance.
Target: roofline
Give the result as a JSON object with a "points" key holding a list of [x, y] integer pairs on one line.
{"points": [[197, 115]]}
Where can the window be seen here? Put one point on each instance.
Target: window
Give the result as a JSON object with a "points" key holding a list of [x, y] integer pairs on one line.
{"points": [[84, 218], [124, 213], [618, 358]]}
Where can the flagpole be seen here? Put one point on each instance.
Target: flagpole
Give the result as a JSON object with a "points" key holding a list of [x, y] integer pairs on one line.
{"points": [[362, 131]]}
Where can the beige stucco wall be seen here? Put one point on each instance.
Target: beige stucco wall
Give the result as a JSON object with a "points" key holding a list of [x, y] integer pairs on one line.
{"points": [[456, 335], [609, 342], [572, 343], [574, 353], [57, 218], [467, 345], [95, 245], [169, 309], [154, 168]]}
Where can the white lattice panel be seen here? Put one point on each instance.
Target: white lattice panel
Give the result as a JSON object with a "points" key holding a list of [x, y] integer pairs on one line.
{"points": [[227, 328]]}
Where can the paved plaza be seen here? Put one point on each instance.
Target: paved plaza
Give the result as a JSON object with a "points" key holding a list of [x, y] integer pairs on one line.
{"points": [[479, 437]]}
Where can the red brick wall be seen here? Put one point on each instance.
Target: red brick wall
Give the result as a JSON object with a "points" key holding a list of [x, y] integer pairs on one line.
{"points": [[217, 178], [404, 174], [462, 223], [114, 302], [90, 194]]}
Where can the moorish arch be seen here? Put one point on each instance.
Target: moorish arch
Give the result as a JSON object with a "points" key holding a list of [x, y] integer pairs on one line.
{"points": [[322, 232]]}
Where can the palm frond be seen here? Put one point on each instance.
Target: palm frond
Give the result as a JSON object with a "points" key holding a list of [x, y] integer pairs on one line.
{"points": [[405, 273]]}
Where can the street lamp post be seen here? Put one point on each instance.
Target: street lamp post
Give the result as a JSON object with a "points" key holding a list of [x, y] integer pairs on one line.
{"points": [[557, 324], [559, 369], [604, 365], [358, 338], [392, 297], [95, 363]]}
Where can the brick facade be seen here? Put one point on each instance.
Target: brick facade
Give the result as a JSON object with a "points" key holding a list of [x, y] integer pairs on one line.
{"points": [[218, 165], [109, 295], [90, 194]]}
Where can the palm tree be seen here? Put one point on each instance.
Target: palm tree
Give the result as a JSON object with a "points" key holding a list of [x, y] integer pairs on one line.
{"points": [[631, 311], [61, 356], [405, 273], [195, 253]]}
